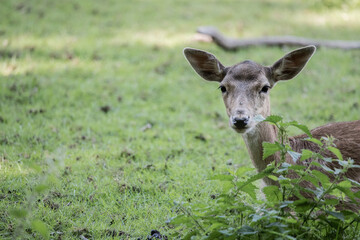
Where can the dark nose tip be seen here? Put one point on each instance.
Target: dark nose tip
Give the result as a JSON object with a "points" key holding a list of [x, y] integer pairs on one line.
{"points": [[240, 122]]}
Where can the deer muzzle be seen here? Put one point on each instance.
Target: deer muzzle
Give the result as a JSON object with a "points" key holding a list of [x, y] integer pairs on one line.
{"points": [[239, 123]]}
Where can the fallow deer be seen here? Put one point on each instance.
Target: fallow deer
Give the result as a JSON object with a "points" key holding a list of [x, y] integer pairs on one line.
{"points": [[245, 89]]}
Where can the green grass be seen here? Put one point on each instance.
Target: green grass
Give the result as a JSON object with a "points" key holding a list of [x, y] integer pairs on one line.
{"points": [[82, 171]]}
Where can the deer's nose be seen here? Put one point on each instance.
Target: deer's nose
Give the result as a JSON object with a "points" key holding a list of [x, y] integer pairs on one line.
{"points": [[240, 122]]}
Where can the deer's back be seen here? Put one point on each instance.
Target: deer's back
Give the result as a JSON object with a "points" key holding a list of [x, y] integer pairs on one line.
{"points": [[347, 135]]}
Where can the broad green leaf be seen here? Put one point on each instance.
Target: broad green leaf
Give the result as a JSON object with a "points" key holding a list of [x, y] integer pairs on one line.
{"points": [[302, 205], [345, 184], [324, 179], [273, 119], [222, 177], [291, 220], [270, 149], [286, 124], [350, 214], [272, 177], [338, 171], [285, 204], [179, 219], [249, 189], [242, 170], [217, 225], [294, 155], [337, 193], [266, 172], [343, 163], [331, 201], [281, 177], [284, 181], [226, 187], [190, 234], [272, 193], [247, 230], [347, 191], [256, 217], [329, 170], [225, 198], [354, 182], [227, 232], [215, 235], [337, 215], [311, 179], [302, 127], [306, 154], [316, 164], [357, 194], [284, 167], [231, 172], [41, 228], [314, 140], [336, 152]]}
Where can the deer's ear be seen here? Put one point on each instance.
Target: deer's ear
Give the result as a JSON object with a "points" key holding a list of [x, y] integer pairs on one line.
{"points": [[292, 63], [205, 64]]}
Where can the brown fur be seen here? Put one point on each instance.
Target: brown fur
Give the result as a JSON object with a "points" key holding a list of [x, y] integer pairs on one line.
{"points": [[347, 140]]}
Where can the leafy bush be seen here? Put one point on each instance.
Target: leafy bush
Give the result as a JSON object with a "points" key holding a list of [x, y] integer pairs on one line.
{"points": [[241, 212]]}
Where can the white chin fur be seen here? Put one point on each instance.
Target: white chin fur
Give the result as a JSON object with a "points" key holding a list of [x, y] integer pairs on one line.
{"points": [[248, 129]]}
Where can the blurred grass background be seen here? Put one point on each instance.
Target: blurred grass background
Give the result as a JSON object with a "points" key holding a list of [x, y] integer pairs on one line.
{"points": [[103, 125]]}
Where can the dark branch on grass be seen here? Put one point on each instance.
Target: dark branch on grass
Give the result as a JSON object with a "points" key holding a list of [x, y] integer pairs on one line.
{"points": [[232, 44]]}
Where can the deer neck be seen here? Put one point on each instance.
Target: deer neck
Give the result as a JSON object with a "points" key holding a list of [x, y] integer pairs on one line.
{"points": [[262, 132]]}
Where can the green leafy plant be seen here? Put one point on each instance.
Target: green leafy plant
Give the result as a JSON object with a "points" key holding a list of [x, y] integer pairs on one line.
{"points": [[305, 203]]}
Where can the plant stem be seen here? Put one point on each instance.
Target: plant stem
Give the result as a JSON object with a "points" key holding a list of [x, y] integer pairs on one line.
{"points": [[337, 232], [190, 215], [320, 198], [350, 224]]}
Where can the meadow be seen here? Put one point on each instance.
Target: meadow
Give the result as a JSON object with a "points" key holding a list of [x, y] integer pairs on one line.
{"points": [[104, 125]]}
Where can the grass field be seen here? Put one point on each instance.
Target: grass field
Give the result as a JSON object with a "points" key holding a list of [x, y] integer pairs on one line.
{"points": [[103, 124]]}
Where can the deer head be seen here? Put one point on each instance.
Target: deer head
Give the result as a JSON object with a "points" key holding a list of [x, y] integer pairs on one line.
{"points": [[245, 86]]}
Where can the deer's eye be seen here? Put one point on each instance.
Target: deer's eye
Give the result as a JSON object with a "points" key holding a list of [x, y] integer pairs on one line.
{"points": [[222, 89], [265, 89]]}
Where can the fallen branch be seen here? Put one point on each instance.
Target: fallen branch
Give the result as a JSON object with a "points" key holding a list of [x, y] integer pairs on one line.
{"points": [[232, 44]]}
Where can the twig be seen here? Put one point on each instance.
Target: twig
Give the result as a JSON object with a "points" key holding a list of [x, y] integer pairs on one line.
{"points": [[190, 215], [232, 44]]}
